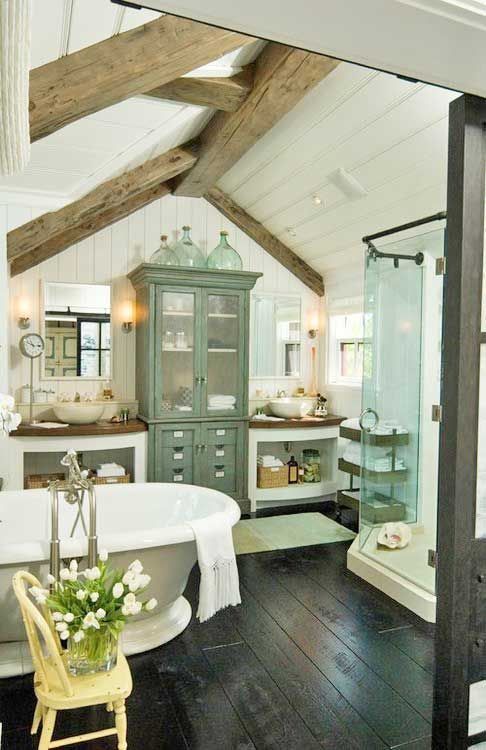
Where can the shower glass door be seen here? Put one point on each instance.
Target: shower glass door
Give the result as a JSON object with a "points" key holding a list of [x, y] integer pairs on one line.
{"points": [[398, 348]]}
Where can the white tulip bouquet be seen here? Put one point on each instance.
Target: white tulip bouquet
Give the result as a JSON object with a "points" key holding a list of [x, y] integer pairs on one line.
{"points": [[90, 609]]}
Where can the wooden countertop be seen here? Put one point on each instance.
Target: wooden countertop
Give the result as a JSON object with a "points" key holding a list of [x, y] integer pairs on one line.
{"points": [[97, 428], [330, 421]]}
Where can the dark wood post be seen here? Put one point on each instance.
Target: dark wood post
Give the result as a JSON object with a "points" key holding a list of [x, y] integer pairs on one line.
{"points": [[459, 429]]}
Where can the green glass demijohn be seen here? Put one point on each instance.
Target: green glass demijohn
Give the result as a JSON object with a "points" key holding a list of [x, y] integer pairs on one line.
{"points": [[224, 257], [164, 256], [187, 252]]}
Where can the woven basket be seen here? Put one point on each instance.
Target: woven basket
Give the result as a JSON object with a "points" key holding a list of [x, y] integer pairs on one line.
{"points": [[111, 480], [272, 476], [40, 481]]}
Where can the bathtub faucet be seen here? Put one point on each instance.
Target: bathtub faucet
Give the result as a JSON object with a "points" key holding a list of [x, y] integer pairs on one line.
{"points": [[73, 488]]}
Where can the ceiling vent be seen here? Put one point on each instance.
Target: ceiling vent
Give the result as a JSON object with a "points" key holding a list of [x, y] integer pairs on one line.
{"points": [[347, 184]]}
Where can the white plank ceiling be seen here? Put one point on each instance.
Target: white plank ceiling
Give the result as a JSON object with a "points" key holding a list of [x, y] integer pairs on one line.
{"points": [[388, 134], [72, 161]]}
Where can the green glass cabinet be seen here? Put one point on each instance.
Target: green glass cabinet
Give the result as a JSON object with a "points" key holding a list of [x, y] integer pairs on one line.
{"points": [[192, 373]]}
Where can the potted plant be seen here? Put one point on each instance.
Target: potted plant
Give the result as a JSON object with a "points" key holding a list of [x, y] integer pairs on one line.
{"points": [[90, 608]]}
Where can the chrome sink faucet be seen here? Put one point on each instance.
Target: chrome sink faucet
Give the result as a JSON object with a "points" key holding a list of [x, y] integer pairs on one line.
{"points": [[281, 394]]}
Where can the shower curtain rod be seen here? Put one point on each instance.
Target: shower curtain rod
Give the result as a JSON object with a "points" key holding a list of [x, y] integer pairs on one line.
{"points": [[418, 258], [402, 227]]}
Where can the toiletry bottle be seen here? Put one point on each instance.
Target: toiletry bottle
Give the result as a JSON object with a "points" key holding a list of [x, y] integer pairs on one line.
{"points": [[293, 470]]}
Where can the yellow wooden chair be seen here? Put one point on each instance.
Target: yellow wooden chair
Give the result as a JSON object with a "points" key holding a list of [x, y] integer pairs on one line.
{"points": [[55, 688]]}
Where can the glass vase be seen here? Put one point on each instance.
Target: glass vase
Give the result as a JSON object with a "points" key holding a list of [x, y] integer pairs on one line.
{"points": [[96, 652], [224, 257], [188, 253], [165, 255]]}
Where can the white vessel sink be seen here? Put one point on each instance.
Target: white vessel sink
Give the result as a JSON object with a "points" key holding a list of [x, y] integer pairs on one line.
{"points": [[291, 408], [79, 413]]}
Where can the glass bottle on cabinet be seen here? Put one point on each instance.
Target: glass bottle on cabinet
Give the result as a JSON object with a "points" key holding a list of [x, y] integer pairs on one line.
{"points": [[224, 257], [164, 256], [188, 253]]}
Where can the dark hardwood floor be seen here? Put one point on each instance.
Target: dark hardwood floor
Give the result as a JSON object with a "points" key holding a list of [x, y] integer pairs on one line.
{"points": [[313, 658]]}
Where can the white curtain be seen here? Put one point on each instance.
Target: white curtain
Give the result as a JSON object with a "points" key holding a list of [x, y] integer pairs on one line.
{"points": [[14, 85]]}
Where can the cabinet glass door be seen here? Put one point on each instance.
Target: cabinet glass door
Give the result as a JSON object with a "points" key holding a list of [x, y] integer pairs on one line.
{"points": [[223, 384], [176, 361]]}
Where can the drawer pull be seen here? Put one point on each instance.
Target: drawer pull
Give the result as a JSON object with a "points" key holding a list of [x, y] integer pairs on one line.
{"points": [[220, 432], [178, 433], [178, 475]]}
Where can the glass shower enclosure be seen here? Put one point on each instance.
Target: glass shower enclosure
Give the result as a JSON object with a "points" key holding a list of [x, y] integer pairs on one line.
{"points": [[401, 378]]}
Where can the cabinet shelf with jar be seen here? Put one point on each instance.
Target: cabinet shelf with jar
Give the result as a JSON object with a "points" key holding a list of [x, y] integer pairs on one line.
{"points": [[192, 328]]}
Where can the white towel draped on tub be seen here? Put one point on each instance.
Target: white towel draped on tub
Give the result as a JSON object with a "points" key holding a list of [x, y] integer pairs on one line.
{"points": [[219, 585]]}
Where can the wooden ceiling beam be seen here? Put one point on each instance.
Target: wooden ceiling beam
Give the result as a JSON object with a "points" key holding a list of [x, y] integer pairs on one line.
{"points": [[117, 68], [226, 94], [266, 239], [283, 76], [53, 232]]}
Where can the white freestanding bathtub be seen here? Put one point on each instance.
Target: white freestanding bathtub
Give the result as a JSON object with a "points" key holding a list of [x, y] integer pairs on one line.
{"points": [[144, 521]]}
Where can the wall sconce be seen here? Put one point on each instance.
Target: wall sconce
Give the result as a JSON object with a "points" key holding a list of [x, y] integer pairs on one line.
{"points": [[23, 309], [313, 325], [127, 316]]}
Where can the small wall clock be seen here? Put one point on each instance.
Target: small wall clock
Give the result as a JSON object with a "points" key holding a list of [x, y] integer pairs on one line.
{"points": [[32, 345]]}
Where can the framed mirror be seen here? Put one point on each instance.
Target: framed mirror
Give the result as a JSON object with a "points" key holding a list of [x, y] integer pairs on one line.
{"points": [[276, 331], [76, 326]]}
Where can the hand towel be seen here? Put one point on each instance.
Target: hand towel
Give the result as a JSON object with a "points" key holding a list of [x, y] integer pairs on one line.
{"points": [[219, 585]]}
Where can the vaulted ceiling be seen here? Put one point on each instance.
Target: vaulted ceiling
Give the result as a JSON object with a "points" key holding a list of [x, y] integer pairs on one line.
{"points": [[387, 137]]}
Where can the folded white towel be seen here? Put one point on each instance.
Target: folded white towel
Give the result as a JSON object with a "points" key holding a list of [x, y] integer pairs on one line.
{"points": [[221, 398], [268, 461], [110, 470], [219, 585], [383, 428], [267, 418]]}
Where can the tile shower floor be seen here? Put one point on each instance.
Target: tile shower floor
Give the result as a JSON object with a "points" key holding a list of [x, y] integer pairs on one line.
{"points": [[313, 658], [410, 563]]}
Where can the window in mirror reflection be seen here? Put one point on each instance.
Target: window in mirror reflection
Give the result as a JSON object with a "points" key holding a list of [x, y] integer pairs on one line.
{"points": [[77, 330], [276, 336]]}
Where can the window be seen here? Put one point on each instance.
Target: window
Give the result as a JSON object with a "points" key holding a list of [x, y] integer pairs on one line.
{"points": [[94, 347], [346, 349]]}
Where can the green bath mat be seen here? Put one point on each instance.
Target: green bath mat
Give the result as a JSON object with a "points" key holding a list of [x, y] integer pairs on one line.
{"points": [[285, 532]]}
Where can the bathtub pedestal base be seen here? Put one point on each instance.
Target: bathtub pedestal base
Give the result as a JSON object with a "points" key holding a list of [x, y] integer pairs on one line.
{"points": [[161, 627], [138, 636]]}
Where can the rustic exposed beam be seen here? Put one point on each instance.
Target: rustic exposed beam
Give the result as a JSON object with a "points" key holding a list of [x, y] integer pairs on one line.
{"points": [[53, 232], [283, 76], [131, 63], [86, 228], [226, 94], [266, 239]]}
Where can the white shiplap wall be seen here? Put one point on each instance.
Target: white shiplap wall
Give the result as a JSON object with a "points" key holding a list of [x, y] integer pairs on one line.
{"points": [[107, 256]]}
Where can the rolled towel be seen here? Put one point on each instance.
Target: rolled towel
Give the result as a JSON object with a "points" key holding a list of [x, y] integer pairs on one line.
{"points": [[219, 586]]}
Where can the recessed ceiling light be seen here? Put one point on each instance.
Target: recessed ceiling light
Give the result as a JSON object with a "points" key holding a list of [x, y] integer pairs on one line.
{"points": [[291, 231], [317, 200]]}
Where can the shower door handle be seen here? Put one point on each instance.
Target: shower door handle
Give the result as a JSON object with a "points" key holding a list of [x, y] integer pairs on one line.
{"points": [[362, 416]]}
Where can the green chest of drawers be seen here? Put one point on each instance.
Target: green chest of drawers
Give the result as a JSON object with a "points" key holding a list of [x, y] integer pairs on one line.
{"points": [[192, 373]]}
